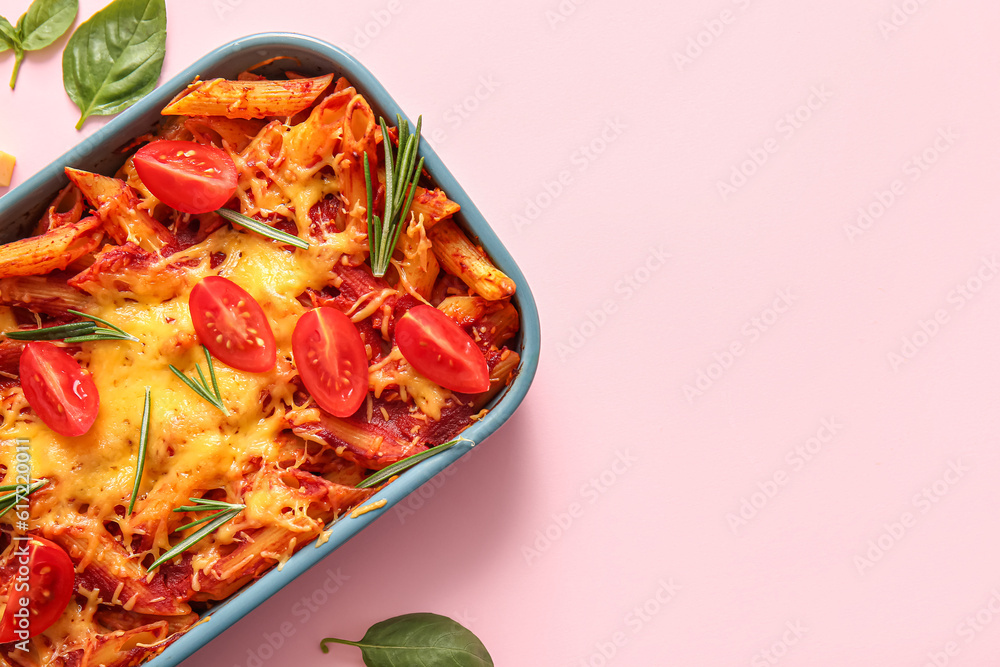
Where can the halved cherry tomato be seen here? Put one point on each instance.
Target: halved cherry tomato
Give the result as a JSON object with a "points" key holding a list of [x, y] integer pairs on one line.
{"points": [[331, 360], [42, 585], [185, 175], [439, 349], [58, 389], [232, 325]]}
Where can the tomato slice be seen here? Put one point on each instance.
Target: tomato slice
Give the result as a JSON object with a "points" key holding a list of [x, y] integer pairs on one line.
{"points": [[58, 389], [185, 175], [232, 325], [439, 349], [330, 357], [37, 601]]}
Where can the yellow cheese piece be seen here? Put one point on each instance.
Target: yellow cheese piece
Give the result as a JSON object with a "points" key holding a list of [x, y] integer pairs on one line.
{"points": [[6, 168]]}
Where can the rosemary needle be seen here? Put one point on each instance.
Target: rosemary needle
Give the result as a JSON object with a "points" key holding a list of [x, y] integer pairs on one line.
{"points": [[226, 512], [200, 386], [141, 457], [261, 228], [9, 500], [406, 464]]}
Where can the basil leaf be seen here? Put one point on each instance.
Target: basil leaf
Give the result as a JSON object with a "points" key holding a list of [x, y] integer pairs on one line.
{"points": [[37, 28], [8, 35], [115, 57], [429, 640], [45, 21]]}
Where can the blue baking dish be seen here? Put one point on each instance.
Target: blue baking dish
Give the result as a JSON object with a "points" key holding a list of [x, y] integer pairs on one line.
{"points": [[21, 208]]}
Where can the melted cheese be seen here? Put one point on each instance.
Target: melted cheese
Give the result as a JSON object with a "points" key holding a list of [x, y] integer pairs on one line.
{"points": [[393, 371], [192, 447]]}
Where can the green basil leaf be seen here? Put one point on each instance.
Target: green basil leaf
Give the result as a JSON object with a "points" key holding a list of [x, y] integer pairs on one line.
{"points": [[424, 639], [8, 35], [46, 21], [114, 59]]}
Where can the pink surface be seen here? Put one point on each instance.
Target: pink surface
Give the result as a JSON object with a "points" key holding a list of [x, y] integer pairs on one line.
{"points": [[764, 428]]}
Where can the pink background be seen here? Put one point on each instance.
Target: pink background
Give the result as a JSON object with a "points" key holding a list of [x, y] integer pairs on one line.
{"points": [[705, 353]]}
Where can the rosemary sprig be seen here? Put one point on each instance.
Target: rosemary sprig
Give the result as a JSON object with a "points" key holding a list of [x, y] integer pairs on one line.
{"points": [[141, 456], [201, 387], [400, 185], [9, 500], [270, 232], [112, 333], [75, 332], [226, 512], [406, 464]]}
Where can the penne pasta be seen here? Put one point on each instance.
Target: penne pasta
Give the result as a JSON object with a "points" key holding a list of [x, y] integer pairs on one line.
{"points": [[118, 207], [41, 294], [128, 647], [464, 309], [231, 133], [500, 376], [67, 207], [319, 136], [359, 140], [247, 99], [433, 205], [361, 443], [461, 258], [52, 251], [418, 268], [498, 327]]}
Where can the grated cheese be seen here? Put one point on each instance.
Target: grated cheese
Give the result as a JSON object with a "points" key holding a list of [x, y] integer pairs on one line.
{"points": [[368, 508]]}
